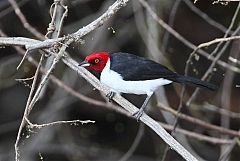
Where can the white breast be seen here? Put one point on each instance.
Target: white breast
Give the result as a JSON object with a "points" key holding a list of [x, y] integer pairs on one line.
{"points": [[117, 84]]}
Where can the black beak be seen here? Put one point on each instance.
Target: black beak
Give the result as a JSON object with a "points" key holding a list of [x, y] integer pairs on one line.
{"points": [[84, 64]]}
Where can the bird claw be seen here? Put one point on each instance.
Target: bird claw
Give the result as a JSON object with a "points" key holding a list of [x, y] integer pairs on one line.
{"points": [[138, 114], [110, 96]]}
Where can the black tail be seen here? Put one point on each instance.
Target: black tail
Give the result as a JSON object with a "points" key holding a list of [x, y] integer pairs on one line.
{"points": [[195, 82]]}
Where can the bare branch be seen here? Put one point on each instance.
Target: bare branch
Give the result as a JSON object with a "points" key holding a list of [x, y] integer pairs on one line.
{"points": [[101, 20], [157, 128], [72, 122], [217, 40], [26, 112], [17, 41]]}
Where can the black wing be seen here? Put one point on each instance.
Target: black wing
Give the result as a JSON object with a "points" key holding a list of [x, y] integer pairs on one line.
{"points": [[135, 68]]}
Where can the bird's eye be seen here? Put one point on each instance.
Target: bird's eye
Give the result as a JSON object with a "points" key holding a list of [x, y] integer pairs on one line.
{"points": [[96, 61]]}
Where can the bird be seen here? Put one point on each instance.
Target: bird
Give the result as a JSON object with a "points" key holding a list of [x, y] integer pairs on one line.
{"points": [[132, 74]]}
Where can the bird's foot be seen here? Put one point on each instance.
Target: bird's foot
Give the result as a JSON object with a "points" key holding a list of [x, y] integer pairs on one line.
{"points": [[110, 96], [138, 114]]}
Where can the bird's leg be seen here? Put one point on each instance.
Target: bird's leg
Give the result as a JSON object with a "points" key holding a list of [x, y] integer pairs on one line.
{"points": [[110, 96], [139, 113]]}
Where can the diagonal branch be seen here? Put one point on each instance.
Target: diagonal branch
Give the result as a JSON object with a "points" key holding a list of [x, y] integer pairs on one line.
{"points": [[155, 126], [101, 20]]}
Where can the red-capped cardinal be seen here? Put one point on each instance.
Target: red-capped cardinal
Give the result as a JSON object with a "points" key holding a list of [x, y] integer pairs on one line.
{"points": [[128, 73]]}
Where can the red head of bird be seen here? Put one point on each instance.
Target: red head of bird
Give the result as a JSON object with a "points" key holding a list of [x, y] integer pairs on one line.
{"points": [[96, 61]]}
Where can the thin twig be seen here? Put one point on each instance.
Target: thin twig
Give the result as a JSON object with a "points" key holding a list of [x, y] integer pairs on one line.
{"points": [[62, 19], [72, 122], [23, 58], [24, 79], [53, 12], [226, 1], [26, 112], [217, 40]]}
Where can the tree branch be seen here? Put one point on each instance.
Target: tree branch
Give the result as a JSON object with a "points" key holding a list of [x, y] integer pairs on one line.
{"points": [[156, 127]]}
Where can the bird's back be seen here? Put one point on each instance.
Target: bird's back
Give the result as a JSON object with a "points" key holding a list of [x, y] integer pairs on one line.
{"points": [[135, 68]]}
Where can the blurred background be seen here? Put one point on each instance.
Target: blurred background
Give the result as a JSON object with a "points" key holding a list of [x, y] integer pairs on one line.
{"points": [[114, 136]]}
